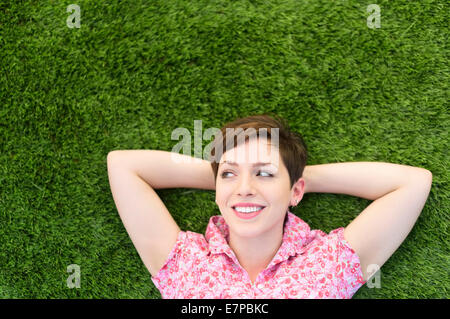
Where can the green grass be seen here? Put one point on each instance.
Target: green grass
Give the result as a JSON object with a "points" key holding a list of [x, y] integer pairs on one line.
{"points": [[136, 70]]}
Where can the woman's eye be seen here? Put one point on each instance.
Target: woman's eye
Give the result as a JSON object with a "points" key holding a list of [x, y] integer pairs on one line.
{"points": [[269, 175], [263, 172], [224, 174]]}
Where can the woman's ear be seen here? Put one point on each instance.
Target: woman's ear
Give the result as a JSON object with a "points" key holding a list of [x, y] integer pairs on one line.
{"points": [[298, 191]]}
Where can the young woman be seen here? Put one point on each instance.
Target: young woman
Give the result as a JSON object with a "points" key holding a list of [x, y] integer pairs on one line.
{"points": [[257, 248]]}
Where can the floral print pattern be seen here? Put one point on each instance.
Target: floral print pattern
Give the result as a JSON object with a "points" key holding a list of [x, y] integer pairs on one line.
{"points": [[308, 264]]}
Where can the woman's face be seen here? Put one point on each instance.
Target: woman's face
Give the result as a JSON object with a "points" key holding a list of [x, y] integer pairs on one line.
{"points": [[265, 185]]}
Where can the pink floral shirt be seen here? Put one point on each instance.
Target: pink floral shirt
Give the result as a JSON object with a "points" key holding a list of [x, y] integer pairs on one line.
{"points": [[308, 264]]}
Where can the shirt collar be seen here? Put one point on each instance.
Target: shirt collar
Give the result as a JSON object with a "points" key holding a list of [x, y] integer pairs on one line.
{"points": [[296, 234]]}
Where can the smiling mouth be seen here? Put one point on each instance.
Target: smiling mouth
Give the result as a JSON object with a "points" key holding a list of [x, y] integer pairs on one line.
{"points": [[249, 214], [246, 210]]}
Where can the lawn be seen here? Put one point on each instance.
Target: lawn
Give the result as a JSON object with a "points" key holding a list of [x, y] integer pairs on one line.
{"points": [[136, 70]]}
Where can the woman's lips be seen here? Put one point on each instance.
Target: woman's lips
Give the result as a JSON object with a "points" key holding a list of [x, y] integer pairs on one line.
{"points": [[247, 215]]}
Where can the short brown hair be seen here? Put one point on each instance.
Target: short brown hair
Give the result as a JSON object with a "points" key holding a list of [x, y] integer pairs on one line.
{"points": [[292, 147]]}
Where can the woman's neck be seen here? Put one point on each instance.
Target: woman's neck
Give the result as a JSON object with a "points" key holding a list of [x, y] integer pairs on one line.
{"points": [[255, 254]]}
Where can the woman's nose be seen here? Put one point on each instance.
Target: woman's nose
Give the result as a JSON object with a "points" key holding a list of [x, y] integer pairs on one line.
{"points": [[246, 185]]}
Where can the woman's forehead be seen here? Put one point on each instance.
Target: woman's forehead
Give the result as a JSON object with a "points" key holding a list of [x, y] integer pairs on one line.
{"points": [[252, 152]]}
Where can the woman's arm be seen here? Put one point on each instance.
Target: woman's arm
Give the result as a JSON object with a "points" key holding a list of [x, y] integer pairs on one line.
{"points": [[398, 192], [162, 169], [369, 180], [133, 175]]}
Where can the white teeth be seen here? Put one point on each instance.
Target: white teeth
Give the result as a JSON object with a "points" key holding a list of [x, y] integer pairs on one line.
{"points": [[247, 209]]}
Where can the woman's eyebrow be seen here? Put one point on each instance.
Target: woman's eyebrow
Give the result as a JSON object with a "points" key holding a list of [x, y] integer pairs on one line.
{"points": [[254, 164]]}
